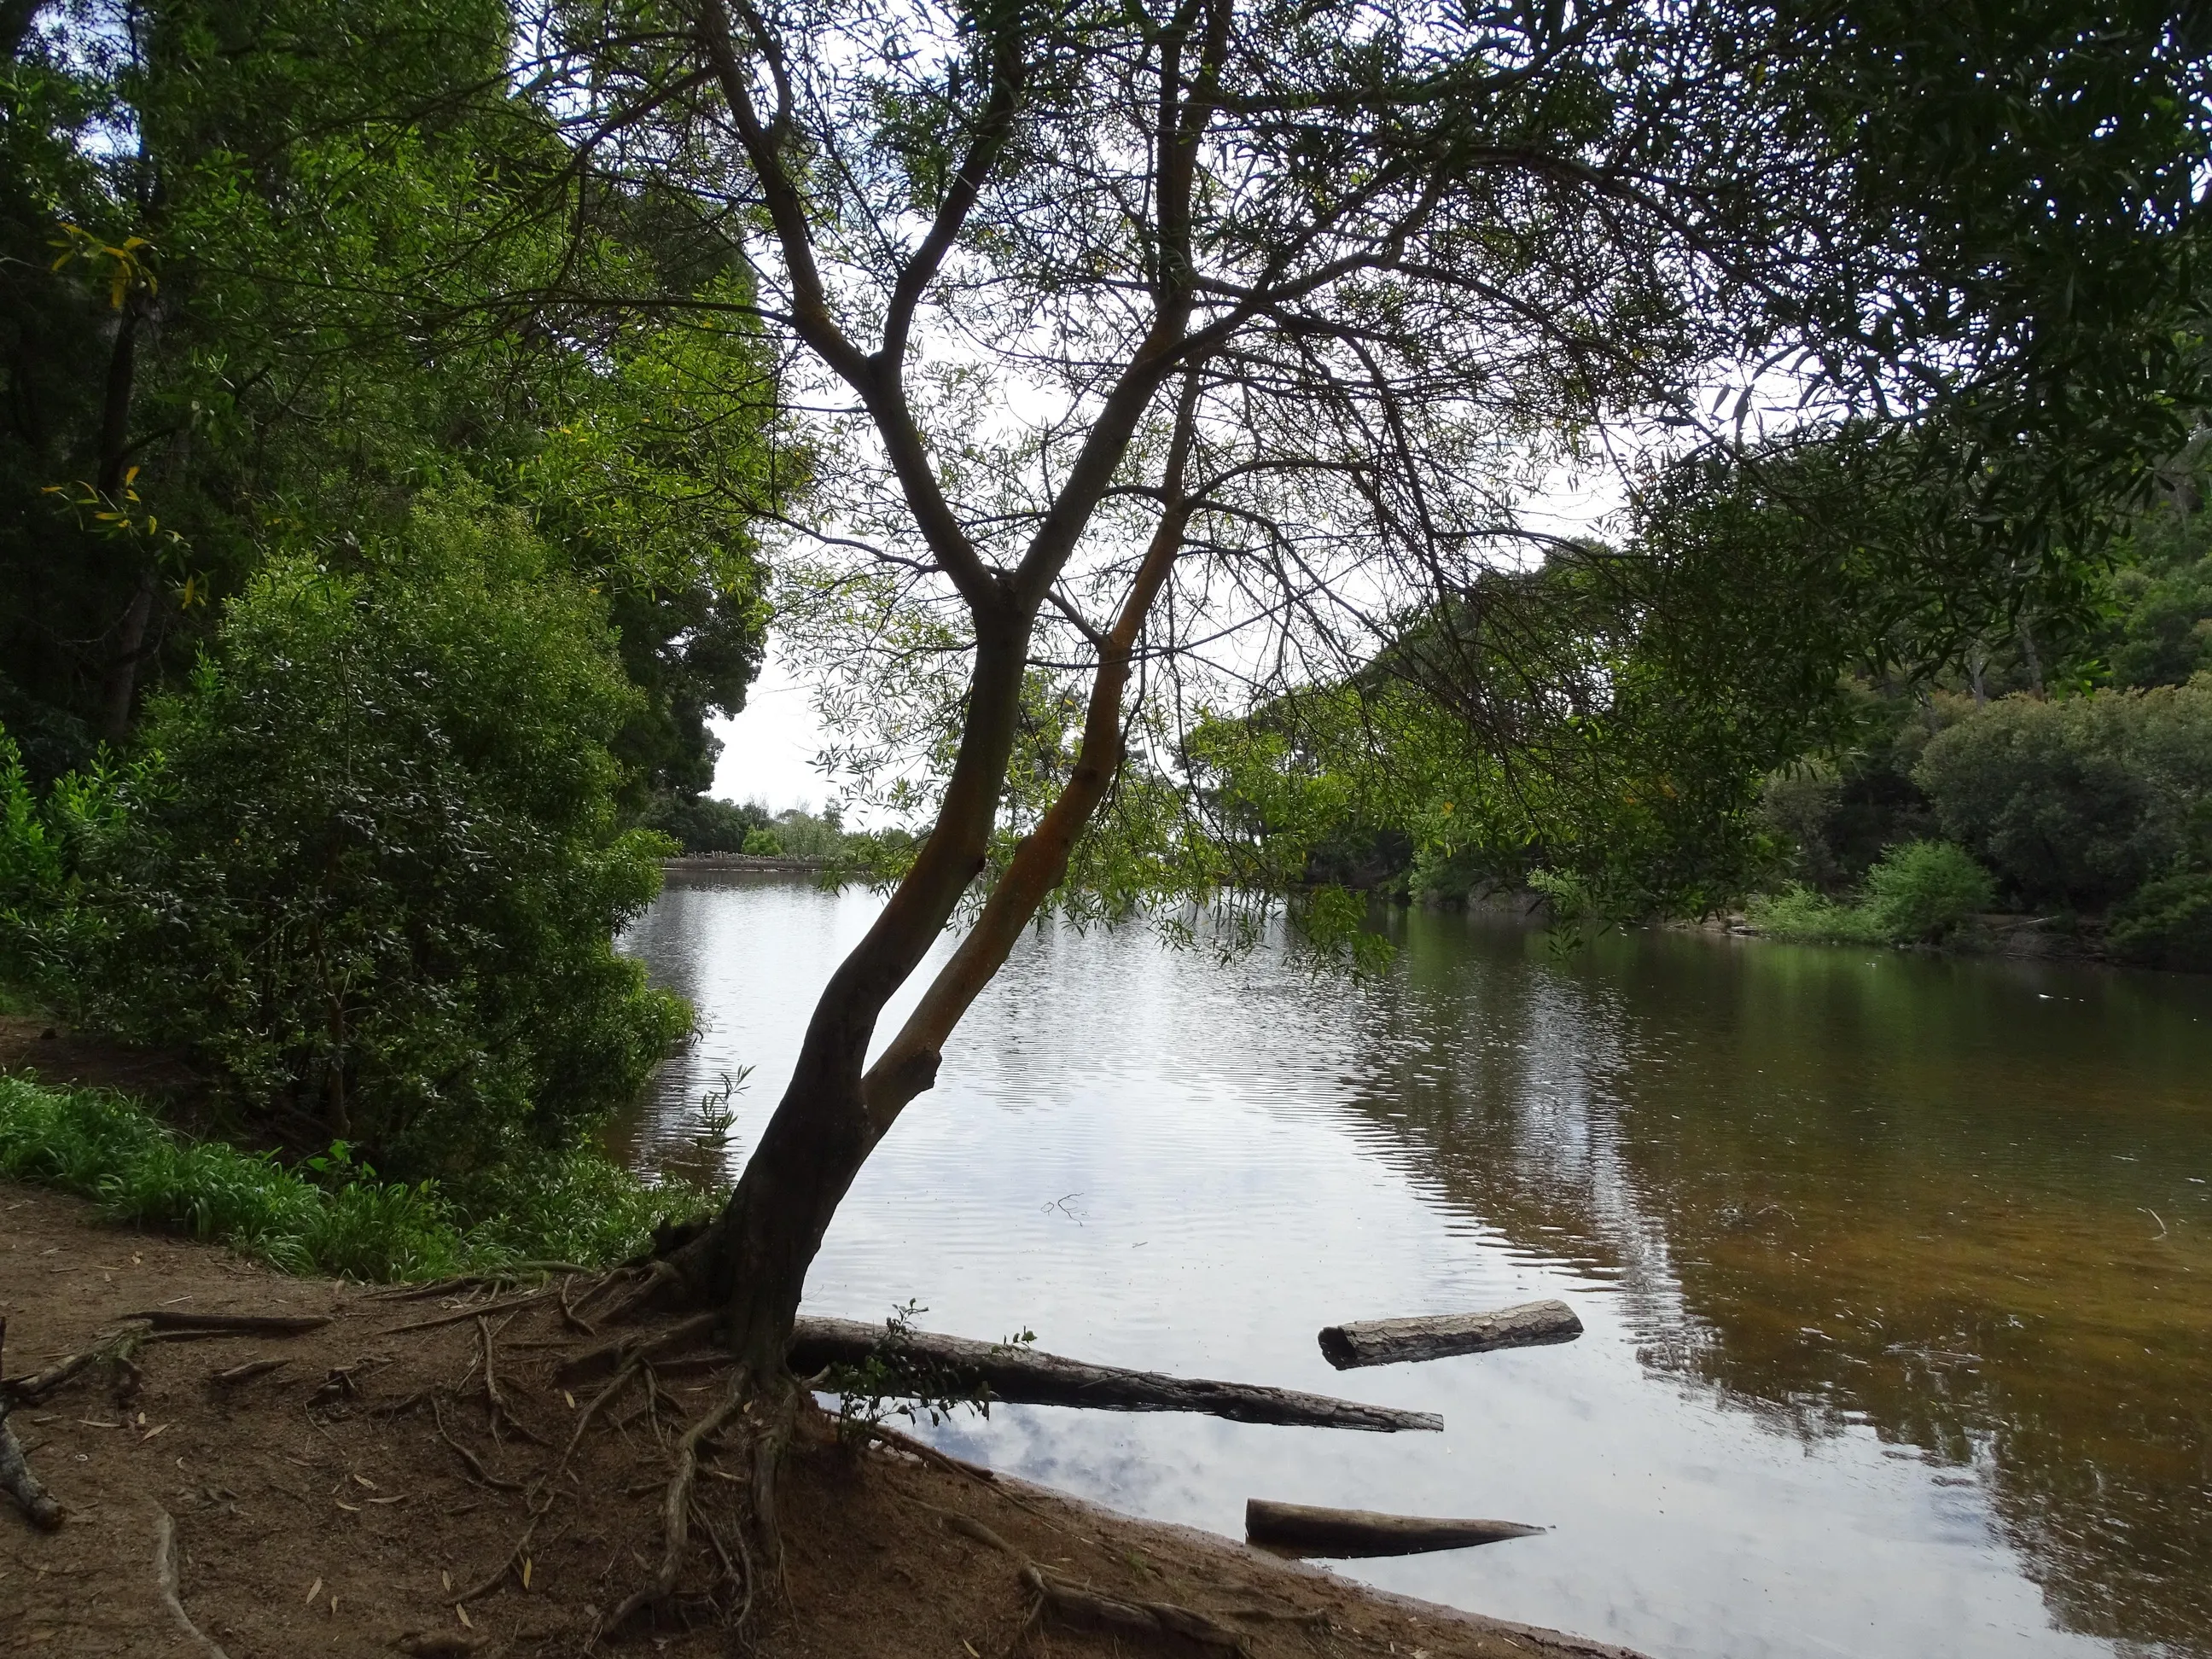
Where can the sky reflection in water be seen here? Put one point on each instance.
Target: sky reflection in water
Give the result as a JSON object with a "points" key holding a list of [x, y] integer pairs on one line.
{"points": [[1896, 1273]]}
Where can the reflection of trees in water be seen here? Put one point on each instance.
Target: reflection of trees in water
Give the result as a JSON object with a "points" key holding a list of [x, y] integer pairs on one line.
{"points": [[1834, 1196]]}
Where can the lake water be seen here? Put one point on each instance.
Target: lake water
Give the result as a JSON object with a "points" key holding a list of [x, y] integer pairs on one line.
{"points": [[1897, 1272]]}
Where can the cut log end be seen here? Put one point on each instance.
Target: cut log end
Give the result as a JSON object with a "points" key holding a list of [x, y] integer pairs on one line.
{"points": [[1305, 1529], [1395, 1341]]}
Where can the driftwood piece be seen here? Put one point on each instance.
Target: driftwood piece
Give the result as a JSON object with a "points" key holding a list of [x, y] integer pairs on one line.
{"points": [[1020, 1376], [1391, 1341], [1344, 1533]]}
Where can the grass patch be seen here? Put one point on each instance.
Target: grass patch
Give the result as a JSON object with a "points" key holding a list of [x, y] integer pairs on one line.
{"points": [[337, 1217]]}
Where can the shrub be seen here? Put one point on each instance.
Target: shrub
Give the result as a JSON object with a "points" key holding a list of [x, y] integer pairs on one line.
{"points": [[2168, 924], [335, 1217], [1924, 889], [2078, 801], [763, 844], [1799, 913], [370, 862]]}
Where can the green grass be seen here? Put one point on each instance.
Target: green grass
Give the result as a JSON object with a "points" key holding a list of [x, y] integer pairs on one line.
{"points": [[338, 1218]]}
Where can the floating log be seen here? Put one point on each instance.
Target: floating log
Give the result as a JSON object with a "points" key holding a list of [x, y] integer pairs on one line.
{"points": [[1019, 1376], [1341, 1533], [1390, 1341]]}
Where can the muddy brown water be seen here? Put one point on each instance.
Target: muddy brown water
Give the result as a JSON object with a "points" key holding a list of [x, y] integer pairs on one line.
{"points": [[1897, 1272]]}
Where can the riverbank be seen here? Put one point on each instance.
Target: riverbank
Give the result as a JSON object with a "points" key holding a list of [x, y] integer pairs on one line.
{"points": [[707, 863], [351, 1499], [2048, 939]]}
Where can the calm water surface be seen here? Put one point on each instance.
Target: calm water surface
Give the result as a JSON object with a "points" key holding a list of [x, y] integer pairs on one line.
{"points": [[1896, 1273]]}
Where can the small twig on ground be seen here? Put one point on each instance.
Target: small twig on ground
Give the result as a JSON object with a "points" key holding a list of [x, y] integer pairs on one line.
{"points": [[246, 1372], [165, 1576]]}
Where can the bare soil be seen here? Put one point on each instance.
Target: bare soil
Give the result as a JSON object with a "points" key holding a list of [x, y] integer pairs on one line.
{"points": [[318, 1508]]}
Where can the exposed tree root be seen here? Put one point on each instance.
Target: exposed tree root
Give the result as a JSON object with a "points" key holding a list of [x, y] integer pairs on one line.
{"points": [[677, 1507], [165, 1578], [1087, 1609], [460, 1315], [610, 1357]]}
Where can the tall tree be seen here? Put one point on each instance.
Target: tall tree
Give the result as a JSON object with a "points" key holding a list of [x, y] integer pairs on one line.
{"points": [[254, 257], [1145, 328], [1224, 332]]}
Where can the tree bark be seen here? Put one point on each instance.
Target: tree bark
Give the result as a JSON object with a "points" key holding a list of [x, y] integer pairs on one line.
{"points": [[1021, 1377], [1345, 1532], [1392, 1342], [120, 682]]}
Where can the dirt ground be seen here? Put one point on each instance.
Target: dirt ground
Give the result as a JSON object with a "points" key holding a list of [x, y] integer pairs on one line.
{"points": [[318, 1510]]}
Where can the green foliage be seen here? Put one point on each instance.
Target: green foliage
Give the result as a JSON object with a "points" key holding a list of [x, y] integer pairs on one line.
{"points": [[762, 843], [704, 824], [894, 1380], [2167, 924], [1799, 913], [1917, 893], [331, 1215], [2079, 800], [2159, 631], [1924, 889], [101, 1146], [370, 862], [336, 297]]}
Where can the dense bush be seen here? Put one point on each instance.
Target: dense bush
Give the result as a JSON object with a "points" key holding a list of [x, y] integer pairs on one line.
{"points": [[368, 861], [2079, 800], [2168, 924], [1915, 894], [1924, 889]]}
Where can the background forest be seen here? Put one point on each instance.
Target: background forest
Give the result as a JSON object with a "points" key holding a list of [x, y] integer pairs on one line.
{"points": [[390, 441]]}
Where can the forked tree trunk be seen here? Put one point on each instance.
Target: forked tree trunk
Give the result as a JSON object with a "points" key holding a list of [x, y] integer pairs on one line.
{"points": [[753, 1261]]}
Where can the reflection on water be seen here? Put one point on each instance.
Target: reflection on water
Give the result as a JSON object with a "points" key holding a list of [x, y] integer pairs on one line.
{"points": [[1898, 1272]]}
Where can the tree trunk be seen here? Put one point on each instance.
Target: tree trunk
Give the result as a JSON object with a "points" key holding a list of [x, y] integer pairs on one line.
{"points": [[119, 682], [752, 1262]]}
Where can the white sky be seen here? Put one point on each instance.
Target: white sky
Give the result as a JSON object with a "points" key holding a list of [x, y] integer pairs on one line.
{"points": [[767, 750]]}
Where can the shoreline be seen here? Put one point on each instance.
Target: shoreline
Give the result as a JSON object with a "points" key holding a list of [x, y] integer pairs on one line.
{"points": [[340, 1472]]}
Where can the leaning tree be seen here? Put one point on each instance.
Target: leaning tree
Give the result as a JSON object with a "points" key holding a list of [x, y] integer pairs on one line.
{"points": [[1152, 351]]}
